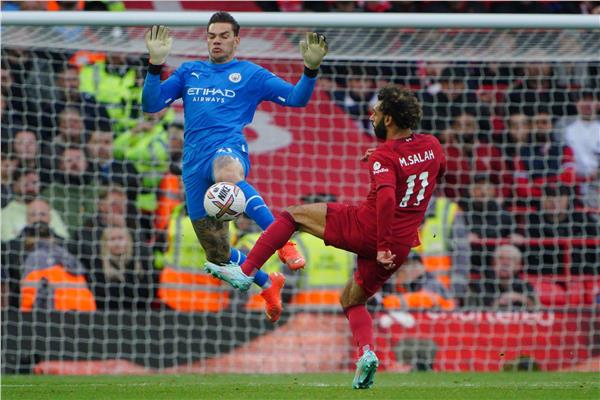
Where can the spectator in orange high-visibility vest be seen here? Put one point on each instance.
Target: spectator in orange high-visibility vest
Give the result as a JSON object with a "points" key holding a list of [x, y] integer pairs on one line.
{"points": [[183, 283], [53, 279], [15, 251]]}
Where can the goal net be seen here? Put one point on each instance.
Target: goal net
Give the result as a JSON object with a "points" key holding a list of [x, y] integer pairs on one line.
{"points": [[101, 272]]}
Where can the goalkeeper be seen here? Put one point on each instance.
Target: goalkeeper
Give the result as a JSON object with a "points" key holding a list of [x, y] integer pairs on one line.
{"points": [[220, 97]]}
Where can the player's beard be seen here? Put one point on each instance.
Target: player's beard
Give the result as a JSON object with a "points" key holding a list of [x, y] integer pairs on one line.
{"points": [[380, 130]]}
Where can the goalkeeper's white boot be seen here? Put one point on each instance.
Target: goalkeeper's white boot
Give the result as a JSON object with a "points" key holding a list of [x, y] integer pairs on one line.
{"points": [[366, 366], [231, 273]]}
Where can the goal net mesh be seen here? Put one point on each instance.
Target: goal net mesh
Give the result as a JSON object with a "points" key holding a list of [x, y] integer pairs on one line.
{"points": [[101, 272]]}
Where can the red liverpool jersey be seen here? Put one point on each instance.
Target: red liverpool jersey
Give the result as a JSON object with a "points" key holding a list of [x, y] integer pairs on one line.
{"points": [[411, 167]]}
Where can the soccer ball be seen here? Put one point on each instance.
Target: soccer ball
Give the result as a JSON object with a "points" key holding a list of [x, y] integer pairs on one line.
{"points": [[224, 201]]}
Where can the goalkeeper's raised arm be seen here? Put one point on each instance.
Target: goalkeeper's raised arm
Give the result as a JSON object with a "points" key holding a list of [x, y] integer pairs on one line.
{"points": [[159, 42], [220, 96]]}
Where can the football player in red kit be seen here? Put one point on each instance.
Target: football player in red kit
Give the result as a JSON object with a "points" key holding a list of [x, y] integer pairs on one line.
{"points": [[403, 173]]}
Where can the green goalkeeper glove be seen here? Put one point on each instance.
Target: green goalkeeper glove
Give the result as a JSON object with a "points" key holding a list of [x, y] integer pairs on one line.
{"points": [[313, 49], [158, 42]]}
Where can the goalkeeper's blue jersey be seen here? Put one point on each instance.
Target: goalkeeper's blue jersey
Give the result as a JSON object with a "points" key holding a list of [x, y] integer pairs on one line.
{"points": [[220, 100]]}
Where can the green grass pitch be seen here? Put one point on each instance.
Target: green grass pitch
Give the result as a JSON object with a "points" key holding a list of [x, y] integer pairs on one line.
{"points": [[421, 386]]}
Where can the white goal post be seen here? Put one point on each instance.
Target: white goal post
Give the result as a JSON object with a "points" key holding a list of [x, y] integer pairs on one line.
{"points": [[321, 20], [343, 30]]}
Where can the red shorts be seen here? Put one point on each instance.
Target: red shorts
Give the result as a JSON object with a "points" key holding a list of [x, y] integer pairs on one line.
{"points": [[342, 230]]}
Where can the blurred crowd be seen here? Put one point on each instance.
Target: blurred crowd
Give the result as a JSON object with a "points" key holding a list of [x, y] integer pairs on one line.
{"points": [[566, 7], [93, 213], [512, 7]]}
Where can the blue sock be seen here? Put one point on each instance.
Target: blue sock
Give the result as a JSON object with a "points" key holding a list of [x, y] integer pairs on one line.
{"points": [[236, 256], [256, 208], [261, 278]]}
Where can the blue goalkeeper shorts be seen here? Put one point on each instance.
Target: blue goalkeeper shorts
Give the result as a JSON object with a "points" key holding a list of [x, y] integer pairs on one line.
{"points": [[198, 175]]}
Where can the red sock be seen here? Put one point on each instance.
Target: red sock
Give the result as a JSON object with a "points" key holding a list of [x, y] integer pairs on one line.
{"points": [[361, 326], [271, 240]]}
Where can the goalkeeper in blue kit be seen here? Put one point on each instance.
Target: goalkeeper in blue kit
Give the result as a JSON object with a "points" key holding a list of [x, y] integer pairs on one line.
{"points": [[220, 97]]}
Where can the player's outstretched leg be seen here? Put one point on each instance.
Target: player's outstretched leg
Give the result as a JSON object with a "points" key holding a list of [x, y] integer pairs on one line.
{"points": [[257, 209], [230, 273], [311, 219], [261, 278], [278, 233], [272, 239]]}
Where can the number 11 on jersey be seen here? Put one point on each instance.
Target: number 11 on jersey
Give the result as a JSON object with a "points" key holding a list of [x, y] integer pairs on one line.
{"points": [[410, 183]]}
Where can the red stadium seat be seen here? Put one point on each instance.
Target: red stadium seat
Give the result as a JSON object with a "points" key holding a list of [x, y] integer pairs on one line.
{"points": [[583, 289], [549, 292]]}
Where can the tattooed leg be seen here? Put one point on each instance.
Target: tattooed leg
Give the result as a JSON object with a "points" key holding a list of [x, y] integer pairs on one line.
{"points": [[214, 237]]}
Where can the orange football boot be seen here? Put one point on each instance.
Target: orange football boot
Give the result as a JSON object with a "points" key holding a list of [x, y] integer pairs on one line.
{"points": [[272, 296], [290, 255]]}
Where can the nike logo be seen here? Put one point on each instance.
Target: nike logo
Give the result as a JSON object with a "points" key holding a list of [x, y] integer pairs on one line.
{"points": [[196, 74]]}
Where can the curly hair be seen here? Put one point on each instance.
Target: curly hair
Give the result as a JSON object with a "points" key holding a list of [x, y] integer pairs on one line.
{"points": [[402, 105]]}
